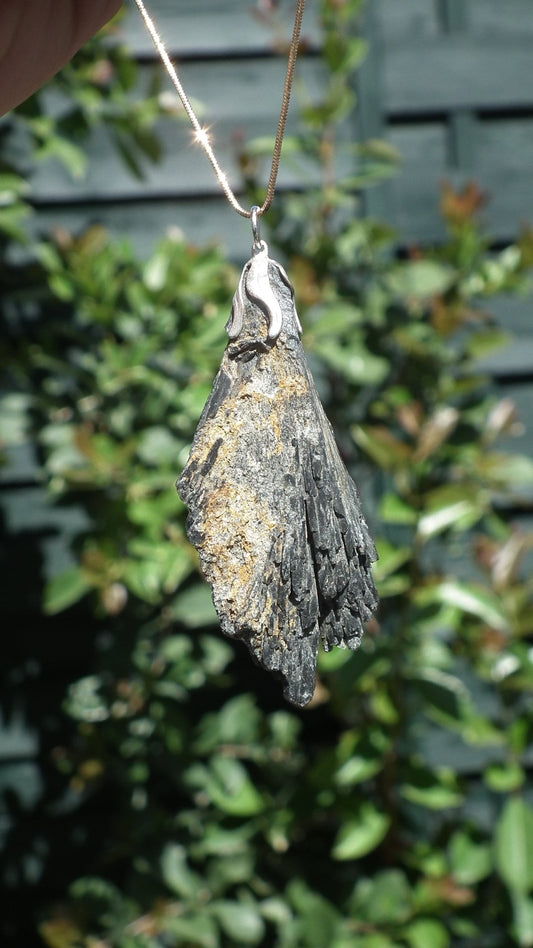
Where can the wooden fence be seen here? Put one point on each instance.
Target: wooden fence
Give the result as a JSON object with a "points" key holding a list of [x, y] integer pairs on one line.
{"points": [[448, 82]]}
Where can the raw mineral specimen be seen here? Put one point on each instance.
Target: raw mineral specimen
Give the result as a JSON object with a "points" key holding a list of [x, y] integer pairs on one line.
{"points": [[274, 514]]}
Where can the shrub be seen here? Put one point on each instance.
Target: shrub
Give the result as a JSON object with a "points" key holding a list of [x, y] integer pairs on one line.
{"points": [[394, 811]]}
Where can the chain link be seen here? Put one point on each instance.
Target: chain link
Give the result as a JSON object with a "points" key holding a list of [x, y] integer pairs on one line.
{"points": [[202, 136]]}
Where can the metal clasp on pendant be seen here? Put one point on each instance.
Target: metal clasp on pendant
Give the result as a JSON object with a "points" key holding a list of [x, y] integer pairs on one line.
{"points": [[256, 229]]}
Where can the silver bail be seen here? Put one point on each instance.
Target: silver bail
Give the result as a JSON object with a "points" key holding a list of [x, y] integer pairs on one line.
{"points": [[256, 230]]}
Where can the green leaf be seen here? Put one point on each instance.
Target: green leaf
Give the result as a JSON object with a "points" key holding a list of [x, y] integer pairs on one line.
{"points": [[263, 145], [504, 778], [64, 590], [157, 445], [232, 790], [331, 661], [276, 910], [237, 722], [85, 702], [514, 845], [382, 446], [72, 156], [522, 918], [144, 579], [177, 874], [506, 470], [469, 861], [217, 654], [391, 558], [225, 873], [484, 343], [358, 769], [395, 510], [427, 933], [394, 586], [361, 835], [11, 219], [455, 506], [194, 607], [374, 940], [420, 279], [443, 692], [385, 899], [60, 932], [241, 922], [99, 897], [198, 930], [318, 918], [436, 790], [12, 187], [224, 842], [333, 319], [355, 364], [474, 599]]}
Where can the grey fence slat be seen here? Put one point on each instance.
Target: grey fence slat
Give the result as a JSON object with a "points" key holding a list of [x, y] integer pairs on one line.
{"points": [[411, 204], [493, 155], [143, 224], [18, 740], [496, 164], [419, 20], [458, 72], [414, 193], [214, 27], [522, 396], [369, 116], [462, 140], [505, 170], [514, 18], [237, 97], [409, 19], [515, 359], [513, 313], [21, 464], [29, 511], [454, 15]]}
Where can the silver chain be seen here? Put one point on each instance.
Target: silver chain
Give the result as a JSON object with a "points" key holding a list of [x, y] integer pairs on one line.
{"points": [[202, 136]]}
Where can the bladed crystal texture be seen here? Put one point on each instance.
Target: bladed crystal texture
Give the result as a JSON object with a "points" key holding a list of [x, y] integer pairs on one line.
{"points": [[273, 512]]}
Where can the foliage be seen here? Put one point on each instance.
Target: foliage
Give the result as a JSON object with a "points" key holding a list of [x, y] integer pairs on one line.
{"points": [[394, 811], [98, 89]]}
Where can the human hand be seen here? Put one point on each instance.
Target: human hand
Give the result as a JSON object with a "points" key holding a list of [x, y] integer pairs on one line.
{"points": [[37, 38]]}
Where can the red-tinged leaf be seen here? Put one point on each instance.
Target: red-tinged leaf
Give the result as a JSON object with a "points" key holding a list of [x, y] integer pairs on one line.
{"points": [[382, 446]]}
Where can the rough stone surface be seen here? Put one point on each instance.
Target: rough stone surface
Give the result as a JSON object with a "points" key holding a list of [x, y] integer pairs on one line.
{"points": [[273, 512]]}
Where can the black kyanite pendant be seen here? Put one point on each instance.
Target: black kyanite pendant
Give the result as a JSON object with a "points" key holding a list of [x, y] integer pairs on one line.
{"points": [[274, 513]]}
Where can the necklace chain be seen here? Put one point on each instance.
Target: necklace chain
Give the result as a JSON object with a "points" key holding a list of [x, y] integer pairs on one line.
{"points": [[201, 135]]}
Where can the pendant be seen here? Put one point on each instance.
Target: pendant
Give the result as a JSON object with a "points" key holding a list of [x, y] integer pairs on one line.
{"points": [[273, 512]]}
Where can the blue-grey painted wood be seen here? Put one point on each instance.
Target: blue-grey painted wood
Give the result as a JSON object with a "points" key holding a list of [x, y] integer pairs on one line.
{"points": [[238, 99], [521, 440], [490, 151], [416, 65], [144, 223], [420, 20], [513, 313], [516, 358], [19, 464], [413, 65], [457, 71], [496, 163], [416, 20], [485, 64], [28, 510], [489, 19], [204, 28], [453, 15]]}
